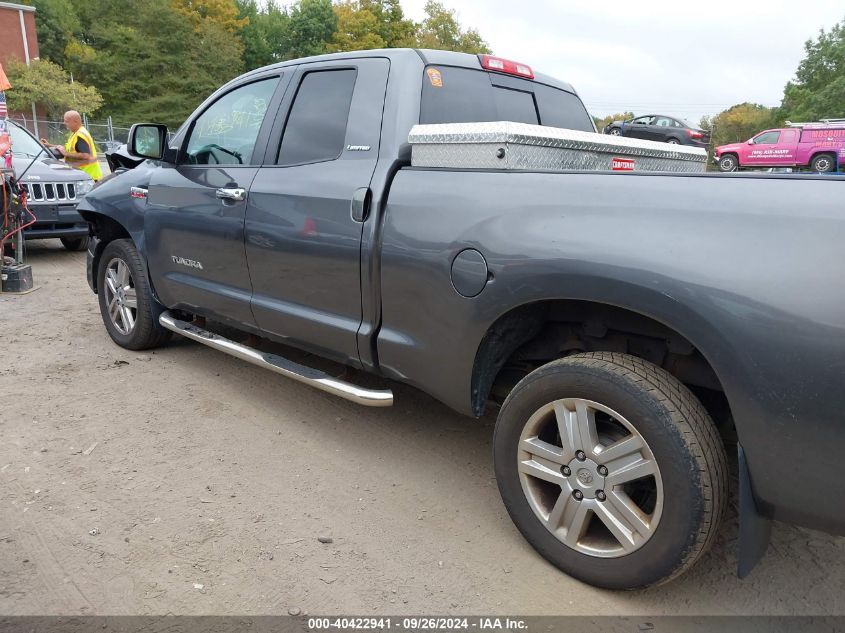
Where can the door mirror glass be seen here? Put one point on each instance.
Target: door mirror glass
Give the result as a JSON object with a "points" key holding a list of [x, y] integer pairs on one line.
{"points": [[147, 140]]}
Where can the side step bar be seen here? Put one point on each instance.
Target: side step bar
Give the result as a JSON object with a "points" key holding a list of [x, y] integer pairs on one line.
{"points": [[283, 366]]}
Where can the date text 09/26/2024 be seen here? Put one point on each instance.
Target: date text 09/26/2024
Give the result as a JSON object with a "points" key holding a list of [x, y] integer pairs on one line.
{"points": [[417, 624]]}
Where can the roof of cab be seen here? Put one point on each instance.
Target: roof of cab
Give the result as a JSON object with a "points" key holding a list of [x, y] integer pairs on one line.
{"points": [[428, 56]]}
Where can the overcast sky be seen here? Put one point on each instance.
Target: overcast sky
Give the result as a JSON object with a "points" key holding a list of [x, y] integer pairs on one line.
{"points": [[672, 57]]}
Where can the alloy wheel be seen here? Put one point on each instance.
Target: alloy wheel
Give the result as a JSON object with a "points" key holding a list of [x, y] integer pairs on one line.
{"points": [[590, 477], [121, 298]]}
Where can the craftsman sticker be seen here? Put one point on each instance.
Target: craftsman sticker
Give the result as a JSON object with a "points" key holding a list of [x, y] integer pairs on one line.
{"points": [[434, 77], [622, 164]]}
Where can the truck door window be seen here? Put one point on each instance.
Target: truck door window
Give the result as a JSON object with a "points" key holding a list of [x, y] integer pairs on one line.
{"points": [[225, 133], [316, 127], [767, 137]]}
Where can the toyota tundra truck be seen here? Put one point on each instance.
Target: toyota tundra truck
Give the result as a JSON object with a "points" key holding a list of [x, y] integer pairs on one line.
{"points": [[631, 328]]}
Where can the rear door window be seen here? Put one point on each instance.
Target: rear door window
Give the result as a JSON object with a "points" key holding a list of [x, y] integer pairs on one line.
{"points": [[316, 126]]}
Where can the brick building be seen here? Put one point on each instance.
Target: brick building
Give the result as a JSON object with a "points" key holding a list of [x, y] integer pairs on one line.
{"points": [[18, 37]]}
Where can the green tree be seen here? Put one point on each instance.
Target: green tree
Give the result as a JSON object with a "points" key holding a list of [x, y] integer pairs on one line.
{"points": [[46, 83], [223, 13], [266, 38], [818, 90], [149, 61], [57, 25], [441, 29], [393, 27], [312, 24], [357, 28], [740, 122], [610, 118]]}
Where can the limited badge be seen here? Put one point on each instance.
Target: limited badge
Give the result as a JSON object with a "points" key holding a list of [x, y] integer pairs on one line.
{"points": [[434, 77]]}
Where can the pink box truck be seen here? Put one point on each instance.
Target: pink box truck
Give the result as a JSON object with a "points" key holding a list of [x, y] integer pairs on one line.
{"points": [[816, 146]]}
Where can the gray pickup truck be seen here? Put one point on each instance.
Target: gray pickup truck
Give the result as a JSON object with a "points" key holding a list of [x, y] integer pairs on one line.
{"points": [[627, 326]]}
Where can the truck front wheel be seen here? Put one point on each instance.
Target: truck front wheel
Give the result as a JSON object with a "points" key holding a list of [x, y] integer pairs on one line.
{"points": [[129, 310], [611, 469], [728, 162]]}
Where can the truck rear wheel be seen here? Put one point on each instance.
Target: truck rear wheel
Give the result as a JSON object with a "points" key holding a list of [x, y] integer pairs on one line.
{"points": [[129, 310], [823, 163], [611, 469]]}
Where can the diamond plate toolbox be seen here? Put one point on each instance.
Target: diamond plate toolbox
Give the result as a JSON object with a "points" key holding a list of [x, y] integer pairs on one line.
{"points": [[507, 145]]}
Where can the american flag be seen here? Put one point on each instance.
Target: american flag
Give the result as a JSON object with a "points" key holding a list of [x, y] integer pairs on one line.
{"points": [[4, 112]]}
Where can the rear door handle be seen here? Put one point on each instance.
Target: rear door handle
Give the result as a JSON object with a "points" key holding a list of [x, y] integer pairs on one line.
{"points": [[361, 204], [235, 194]]}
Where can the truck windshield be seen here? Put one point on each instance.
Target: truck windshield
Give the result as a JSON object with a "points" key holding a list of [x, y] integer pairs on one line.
{"points": [[464, 95]]}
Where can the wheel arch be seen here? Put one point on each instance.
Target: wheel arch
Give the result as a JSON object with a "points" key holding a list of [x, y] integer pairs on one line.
{"points": [[825, 152], [530, 330], [695, 355], [734, 154], [105, 229]]}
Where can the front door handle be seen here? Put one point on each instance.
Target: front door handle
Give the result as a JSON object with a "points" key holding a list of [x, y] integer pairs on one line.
{"points": [[235, 194]]}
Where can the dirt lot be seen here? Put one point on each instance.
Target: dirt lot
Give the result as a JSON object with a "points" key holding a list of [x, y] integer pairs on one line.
{"points": [[184, 481]]}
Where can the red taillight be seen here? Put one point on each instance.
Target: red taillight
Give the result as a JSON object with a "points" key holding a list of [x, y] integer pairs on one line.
{"points": [[499, 65], [694, 134]]}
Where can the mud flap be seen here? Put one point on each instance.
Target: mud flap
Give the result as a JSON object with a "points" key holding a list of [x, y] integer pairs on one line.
{"points": [[754, 528]]}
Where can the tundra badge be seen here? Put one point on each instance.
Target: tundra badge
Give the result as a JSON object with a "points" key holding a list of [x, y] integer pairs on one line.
{"points": [[191, 263]]}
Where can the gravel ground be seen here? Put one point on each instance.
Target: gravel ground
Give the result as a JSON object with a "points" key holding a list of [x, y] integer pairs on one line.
{"points": [[184, 481]]}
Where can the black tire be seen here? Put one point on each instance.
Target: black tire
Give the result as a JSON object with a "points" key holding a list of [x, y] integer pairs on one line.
{"points": [[823, 163], [146, 332], [680, 436], [75, 243], [673, 141], [728, 162], [615, 131]]}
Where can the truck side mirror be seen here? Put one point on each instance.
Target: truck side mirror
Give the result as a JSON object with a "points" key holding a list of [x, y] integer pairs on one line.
{"points": [[147, 140]]}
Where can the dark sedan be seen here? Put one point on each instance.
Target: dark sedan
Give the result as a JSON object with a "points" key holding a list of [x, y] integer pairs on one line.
{"points": [[659, 127]]}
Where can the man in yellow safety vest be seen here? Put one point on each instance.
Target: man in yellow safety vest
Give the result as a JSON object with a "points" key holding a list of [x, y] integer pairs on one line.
{"points": [[79, 151]]}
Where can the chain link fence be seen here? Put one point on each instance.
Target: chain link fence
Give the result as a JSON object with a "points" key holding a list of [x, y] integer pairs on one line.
{"points": [[107, 136]]}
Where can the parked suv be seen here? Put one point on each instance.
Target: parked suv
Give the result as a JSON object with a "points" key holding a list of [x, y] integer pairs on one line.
{"points": [[817, 146], [54, 189], [659, 127]]}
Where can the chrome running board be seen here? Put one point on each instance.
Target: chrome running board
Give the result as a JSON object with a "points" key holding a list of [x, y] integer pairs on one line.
{"points": [[280, 365]]}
